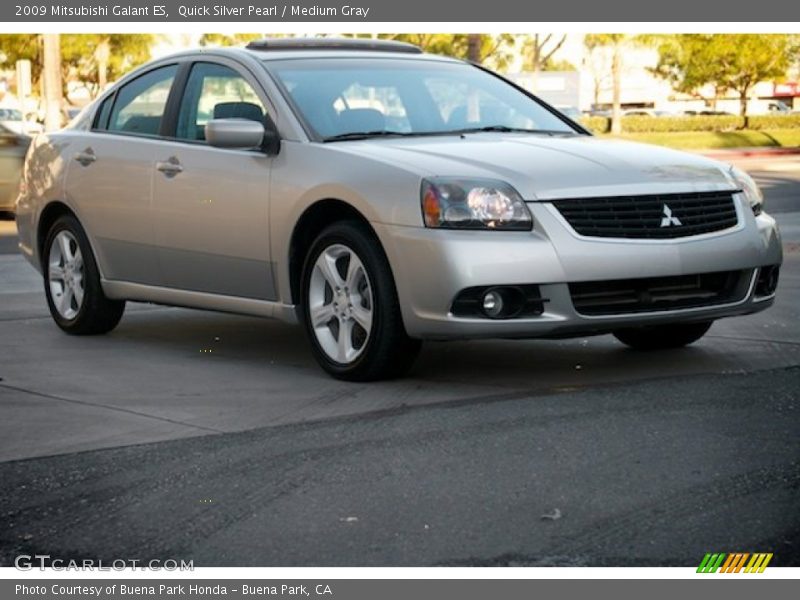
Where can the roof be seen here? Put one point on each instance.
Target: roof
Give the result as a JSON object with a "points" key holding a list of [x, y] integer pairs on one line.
{"points": [[305, 48], [363, 44]]}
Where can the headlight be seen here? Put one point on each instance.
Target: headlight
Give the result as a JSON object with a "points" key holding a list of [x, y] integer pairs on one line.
{"points": [[452, 203], [749, 188]]}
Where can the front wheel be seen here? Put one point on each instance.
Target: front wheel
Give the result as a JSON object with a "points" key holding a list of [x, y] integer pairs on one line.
{"points": [[350, 307], [72, 282], [662, 337]]}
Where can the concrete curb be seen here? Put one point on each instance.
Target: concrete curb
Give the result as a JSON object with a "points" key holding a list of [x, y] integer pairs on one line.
{"points": [[735, 153]]}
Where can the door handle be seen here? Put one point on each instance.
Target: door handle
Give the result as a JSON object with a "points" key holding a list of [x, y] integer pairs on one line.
{"points": [[169, 167], [86, 157]]}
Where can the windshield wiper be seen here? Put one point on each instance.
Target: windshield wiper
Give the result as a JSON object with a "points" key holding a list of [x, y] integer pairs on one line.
{"points": [[506, 129], [363, 135]]}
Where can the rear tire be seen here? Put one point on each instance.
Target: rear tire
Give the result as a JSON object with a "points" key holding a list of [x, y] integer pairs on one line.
{"points": [[72, 282], [662, 337], [350, 308]]}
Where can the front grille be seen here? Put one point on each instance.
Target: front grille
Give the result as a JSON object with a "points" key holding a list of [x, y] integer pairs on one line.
{"points": [[662, 216], [659, 293]]}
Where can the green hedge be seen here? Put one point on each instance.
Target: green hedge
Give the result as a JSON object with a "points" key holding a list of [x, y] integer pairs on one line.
{"points": [[596, 124], [641, 124], [761, 122]]}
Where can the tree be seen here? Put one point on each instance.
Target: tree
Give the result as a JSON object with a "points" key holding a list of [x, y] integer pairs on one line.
{"points": [[51, 62], [727, 62], [229, 39], [616, 42], [493, 50], [595, 61], [86, 57], [558, 65], [474, 47], [538, 51], [15, 46], [96, 59]]}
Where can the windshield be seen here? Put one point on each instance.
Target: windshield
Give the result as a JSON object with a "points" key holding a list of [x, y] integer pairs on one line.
{"points": [[352, 98]]}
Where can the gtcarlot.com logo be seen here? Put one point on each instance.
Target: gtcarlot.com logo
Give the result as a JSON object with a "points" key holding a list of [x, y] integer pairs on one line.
{"points": [[26, 562], [737, 562]]}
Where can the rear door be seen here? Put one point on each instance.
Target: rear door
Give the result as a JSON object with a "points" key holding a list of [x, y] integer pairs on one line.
{"points": [[211, 204], [111, 171]]}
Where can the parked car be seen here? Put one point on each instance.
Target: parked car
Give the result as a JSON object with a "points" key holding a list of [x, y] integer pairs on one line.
{"points": [[255, 181], [647, 112], [707, 113], [778, 107], [13, 119], [13, 147], [639, 112]]}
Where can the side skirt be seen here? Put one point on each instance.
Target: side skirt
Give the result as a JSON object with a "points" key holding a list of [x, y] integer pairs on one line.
{"points": [[123, 290]]}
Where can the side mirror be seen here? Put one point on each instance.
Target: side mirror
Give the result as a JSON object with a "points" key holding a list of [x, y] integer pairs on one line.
{"points": [[235, 133]]}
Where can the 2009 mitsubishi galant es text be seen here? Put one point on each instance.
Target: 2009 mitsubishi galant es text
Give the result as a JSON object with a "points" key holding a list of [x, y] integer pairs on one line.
{"points": [[382, 196]]}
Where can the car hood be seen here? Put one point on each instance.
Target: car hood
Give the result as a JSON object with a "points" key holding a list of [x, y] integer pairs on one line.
{"points": [[544, 168]]}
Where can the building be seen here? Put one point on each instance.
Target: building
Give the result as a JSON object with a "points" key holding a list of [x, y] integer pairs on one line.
{"points": [[590, 87]]}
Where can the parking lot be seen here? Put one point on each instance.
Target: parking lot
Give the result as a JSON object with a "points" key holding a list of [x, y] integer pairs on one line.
{"points": [[212, 437]]}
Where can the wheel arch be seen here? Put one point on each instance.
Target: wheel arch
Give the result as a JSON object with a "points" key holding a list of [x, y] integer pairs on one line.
{"points": [[312, 221], [49, 215]]}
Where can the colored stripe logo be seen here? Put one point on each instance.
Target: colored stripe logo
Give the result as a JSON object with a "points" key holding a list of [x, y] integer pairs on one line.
{"points": [[737, 562]]}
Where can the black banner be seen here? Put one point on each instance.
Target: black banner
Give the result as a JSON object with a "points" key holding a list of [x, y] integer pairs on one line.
{"points": [[443, 11]]}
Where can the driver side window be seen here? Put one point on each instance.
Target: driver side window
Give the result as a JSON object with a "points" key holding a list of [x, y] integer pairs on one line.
{"points": [[215, 92]]}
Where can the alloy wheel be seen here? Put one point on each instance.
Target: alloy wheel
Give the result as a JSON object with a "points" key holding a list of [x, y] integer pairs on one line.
{"points": [[65, 274], [340, 303]]}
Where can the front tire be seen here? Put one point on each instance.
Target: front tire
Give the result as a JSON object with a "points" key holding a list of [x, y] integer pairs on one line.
{"points": [[72, 282], [350, 307], [662, 337]]}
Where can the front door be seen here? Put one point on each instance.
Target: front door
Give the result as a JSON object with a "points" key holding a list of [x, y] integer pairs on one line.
{"points": [[211, 204]]}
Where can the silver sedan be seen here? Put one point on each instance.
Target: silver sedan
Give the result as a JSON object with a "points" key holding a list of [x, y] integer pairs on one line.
{"points": [[381, 196]]}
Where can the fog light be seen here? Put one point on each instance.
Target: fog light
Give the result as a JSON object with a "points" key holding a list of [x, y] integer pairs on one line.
{"points": [[492, 304]]}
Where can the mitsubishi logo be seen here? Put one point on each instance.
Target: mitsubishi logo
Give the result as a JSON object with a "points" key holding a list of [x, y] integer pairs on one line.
{"points": [[668, 220]]}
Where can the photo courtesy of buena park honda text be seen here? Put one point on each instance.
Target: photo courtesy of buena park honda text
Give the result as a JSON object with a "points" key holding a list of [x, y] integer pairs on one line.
{"points": [[399, 299]]}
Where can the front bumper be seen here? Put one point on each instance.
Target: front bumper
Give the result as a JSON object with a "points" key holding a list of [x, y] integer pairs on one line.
{"points": [[432, 266]]}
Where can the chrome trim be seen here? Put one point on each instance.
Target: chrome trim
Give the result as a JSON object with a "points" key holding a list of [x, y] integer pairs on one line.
{"points": [[764, 298]]}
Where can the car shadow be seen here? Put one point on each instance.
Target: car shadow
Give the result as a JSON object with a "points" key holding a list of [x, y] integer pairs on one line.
{"points": [[529, 364]]}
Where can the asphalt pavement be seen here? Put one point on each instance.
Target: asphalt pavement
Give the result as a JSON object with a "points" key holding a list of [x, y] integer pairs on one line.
{"points": [[186, 434]]}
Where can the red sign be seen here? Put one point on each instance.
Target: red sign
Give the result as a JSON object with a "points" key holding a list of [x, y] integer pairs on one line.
{"points": [[791, 88]]}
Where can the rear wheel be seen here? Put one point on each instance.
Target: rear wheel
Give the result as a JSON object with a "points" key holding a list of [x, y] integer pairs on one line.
{"points": [[662, 337], [350, 307], [72, 282]]}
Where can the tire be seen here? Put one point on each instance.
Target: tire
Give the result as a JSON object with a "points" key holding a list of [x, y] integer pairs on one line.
{"points": [[663, 337], [347, 284], [72, 282]]}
